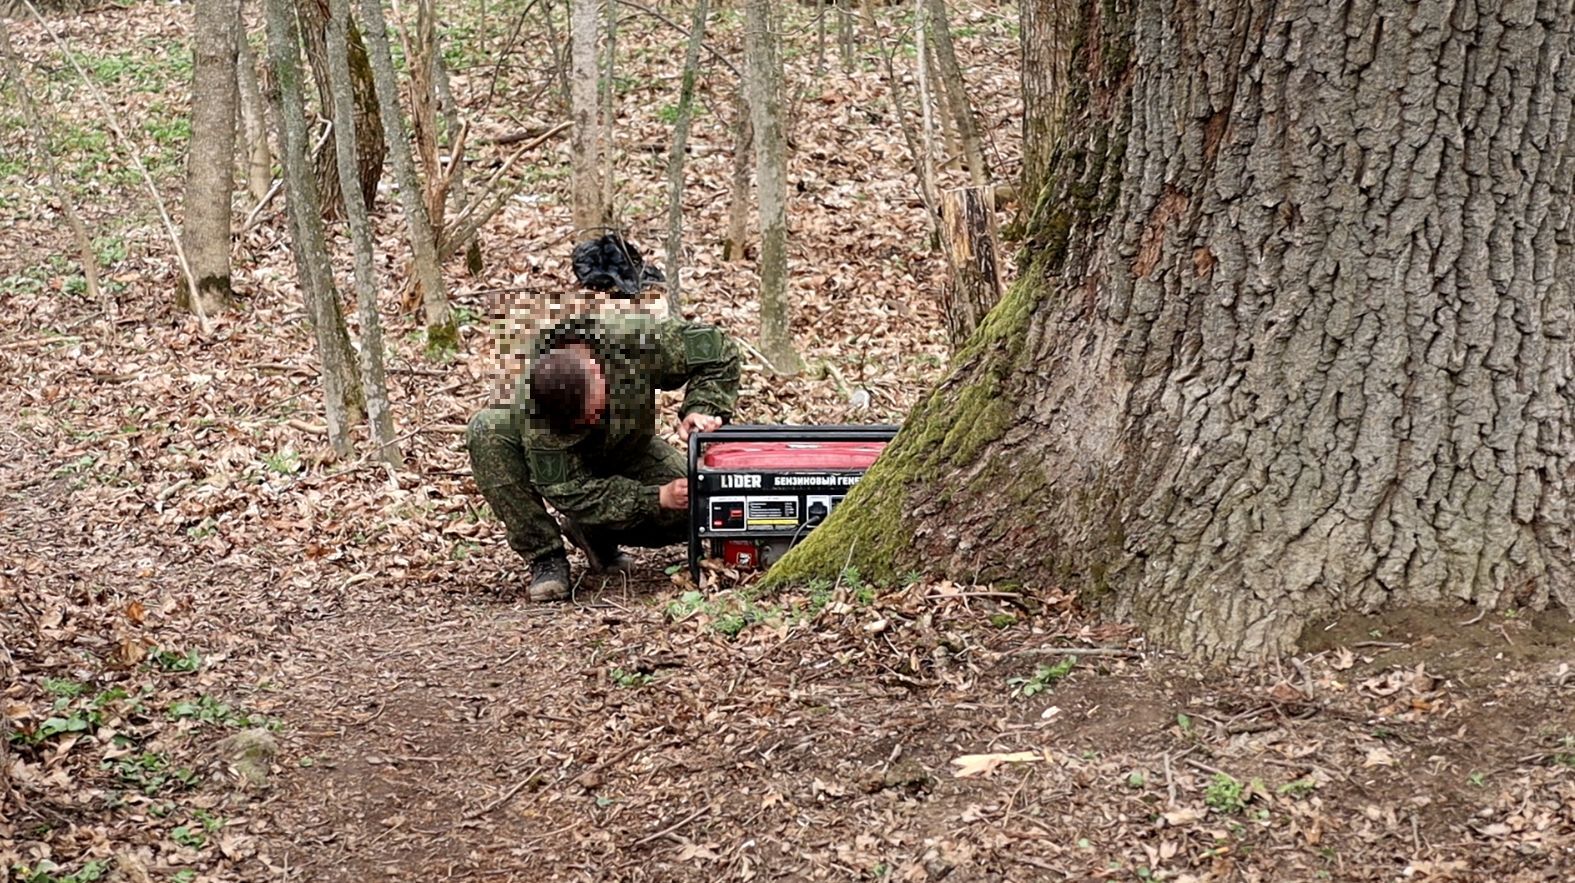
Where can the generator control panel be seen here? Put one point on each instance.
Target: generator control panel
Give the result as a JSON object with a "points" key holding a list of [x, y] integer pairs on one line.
{"points": [[755, 491]]}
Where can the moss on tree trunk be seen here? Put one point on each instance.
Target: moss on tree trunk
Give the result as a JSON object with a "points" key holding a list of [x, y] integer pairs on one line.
{"points": [[1292, 335]]}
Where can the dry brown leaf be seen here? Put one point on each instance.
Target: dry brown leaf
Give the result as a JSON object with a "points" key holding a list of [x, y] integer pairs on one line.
{"points": [[969, 765]]}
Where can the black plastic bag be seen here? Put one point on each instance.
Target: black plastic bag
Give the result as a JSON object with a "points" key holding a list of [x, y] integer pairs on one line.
{"points": [[612, 263]]}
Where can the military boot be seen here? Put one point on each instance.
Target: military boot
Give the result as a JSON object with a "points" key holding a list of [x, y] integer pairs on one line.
{"points": [[601, 553], [549, 578]]}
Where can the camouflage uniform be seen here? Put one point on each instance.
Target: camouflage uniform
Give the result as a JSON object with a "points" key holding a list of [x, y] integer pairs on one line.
{"points": [[605, 478]]}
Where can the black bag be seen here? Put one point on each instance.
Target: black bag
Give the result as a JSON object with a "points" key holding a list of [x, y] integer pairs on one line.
{"points": [[612, 263]]}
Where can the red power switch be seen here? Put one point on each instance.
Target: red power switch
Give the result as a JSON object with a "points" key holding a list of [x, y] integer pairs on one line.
{"points": [[741, 554]]}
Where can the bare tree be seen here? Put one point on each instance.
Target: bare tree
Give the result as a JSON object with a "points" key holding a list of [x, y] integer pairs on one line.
{"points": [[675, 159], [370, 143], [210, 162], [764, 76], [379, 414], [256, 157], [735, 246], [341, 385], [955, 91], [441, 332], [585, 138]]}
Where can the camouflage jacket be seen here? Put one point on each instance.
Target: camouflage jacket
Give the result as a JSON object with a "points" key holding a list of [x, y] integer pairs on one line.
{"points": [[581, 473]]}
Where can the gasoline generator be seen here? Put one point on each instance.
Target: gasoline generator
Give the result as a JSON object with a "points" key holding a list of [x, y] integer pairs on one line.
{"points": [[756, 491]]}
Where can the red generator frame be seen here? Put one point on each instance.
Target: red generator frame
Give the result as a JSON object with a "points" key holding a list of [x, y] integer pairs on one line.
{"points": [[763, 488]]}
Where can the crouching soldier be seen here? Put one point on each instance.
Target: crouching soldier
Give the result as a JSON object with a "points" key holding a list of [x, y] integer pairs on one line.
{"points": [[582, 437]]}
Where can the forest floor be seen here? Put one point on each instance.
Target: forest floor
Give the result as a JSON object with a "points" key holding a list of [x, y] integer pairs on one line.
{"points": [[229, 658]]}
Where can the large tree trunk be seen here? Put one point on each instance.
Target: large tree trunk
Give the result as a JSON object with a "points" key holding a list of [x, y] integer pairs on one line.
{"points": [[1293, 331], [210, 164]]}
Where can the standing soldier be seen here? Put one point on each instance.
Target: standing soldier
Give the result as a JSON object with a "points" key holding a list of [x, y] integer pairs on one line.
{"points": [[582, 436]]}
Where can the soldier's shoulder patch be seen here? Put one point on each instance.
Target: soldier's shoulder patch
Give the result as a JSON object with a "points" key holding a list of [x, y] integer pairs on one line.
{"points": [[548, 466], [702, 345]]}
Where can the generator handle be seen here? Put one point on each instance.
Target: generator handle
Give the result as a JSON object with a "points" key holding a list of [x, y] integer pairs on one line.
{"points": [[747, 432], [755, 432]]}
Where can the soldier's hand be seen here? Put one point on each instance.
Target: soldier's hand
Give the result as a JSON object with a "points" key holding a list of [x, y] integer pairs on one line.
{"points": [[696, 422], [674, 494]]}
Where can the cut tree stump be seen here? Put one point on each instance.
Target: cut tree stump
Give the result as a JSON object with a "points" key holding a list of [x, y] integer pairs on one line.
{"points": [[974, 287]]}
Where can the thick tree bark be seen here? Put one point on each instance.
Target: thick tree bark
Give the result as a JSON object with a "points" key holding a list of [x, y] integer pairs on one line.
{"points": [[210, 163], [370, 144], [764, 76], [1293, 332], [341, 385]]}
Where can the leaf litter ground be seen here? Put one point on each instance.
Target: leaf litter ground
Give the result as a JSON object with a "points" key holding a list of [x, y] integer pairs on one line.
{"points": [[190, 592]]}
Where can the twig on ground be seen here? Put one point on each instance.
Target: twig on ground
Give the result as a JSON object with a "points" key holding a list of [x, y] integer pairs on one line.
{"points": [[1170, 780], [671, 828], [1076, 651], [507, 796]]}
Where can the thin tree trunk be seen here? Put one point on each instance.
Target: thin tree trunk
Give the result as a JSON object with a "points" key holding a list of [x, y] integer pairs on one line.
{"points": [[736, 246], [764, 76], [441, 331], [461, 190], [955, 88], [845, 35], [675, 159], [1265, 364], [585, 147], [420, 44], [952, 145], [38, 134], [210, 163], [256, 157], [322, 301], [926, 115], [899, 99], [608, 93], [370, 143], [379, 414]]}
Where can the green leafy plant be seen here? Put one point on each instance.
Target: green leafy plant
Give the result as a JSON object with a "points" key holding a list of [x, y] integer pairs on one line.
{"points": [[48, 872], [64, 687], [149, 772], [175, 661], [1298, 788], [285, 462], [1042, 679], [187, 835], [630, 678], [1225, 794]]}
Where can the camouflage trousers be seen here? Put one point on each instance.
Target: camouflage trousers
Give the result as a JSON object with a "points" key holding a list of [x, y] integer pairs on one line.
{"points": [[499, 461]]}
